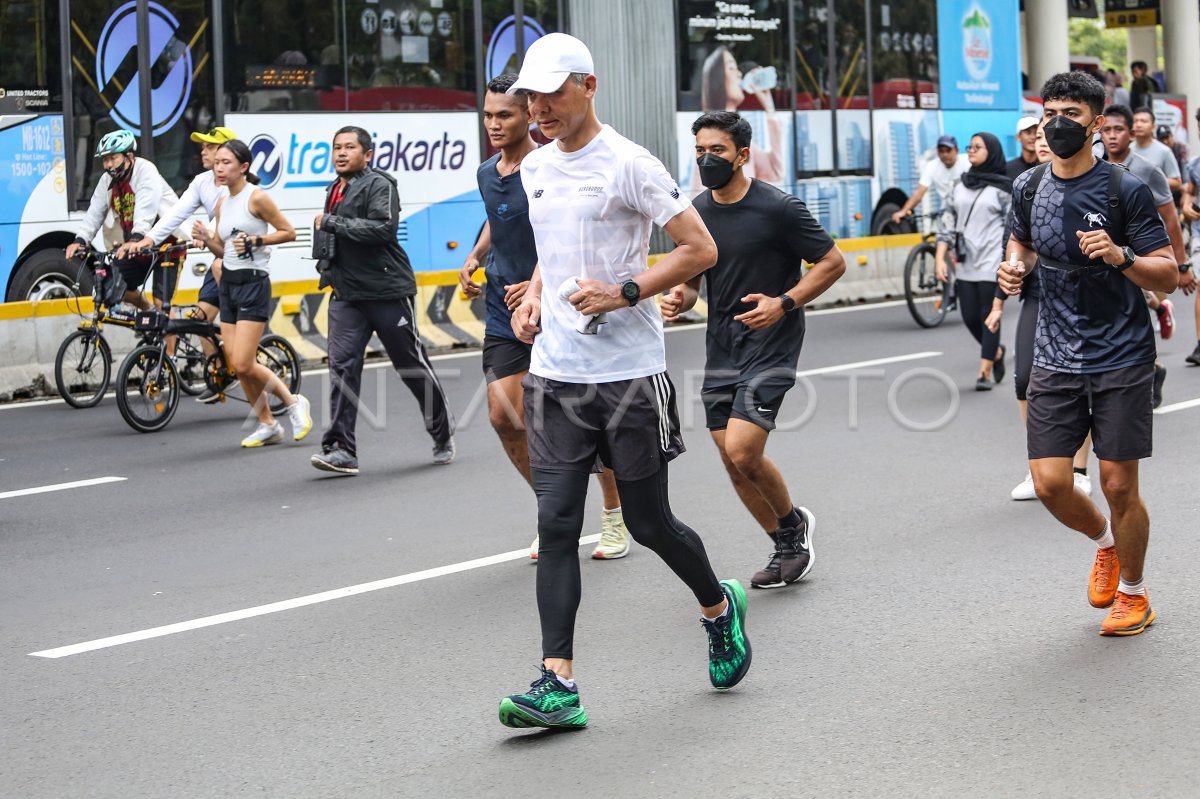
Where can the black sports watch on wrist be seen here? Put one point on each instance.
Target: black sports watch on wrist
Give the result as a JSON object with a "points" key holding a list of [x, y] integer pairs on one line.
{"points": [[787, 302], [1130, 256], [1183, 267], [631, 291], [258, 242]]}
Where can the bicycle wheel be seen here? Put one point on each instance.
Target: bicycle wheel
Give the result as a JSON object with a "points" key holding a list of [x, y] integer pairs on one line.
{"points": [[275, 353], [189, 362], [147, 389], [82, 368], [925, 294]]}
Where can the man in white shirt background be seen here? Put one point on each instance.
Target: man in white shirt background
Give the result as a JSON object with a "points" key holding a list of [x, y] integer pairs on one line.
{"points": [[940, 173]]}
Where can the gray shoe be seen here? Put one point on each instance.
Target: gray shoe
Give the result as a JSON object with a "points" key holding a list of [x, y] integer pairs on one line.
{"points": [[443, 452], [335, 459]]}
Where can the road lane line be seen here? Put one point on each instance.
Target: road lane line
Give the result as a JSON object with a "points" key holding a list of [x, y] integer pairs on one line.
{"points": [[847, 367], [290, 604], [1178, 406], [95, 481]]}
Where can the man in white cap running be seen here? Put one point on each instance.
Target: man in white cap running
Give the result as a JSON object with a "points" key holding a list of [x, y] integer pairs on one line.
{"points": [[1027, 137], [597, 388]]}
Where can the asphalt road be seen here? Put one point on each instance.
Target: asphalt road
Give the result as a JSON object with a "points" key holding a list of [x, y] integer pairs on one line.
{"points": [[942, 646]]}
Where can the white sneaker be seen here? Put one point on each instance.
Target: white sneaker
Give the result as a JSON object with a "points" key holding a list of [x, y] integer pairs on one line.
{"points": [[264, 434], [300, 416], [1084, 483], [1025, 490], [533, 548], [614, 538]]}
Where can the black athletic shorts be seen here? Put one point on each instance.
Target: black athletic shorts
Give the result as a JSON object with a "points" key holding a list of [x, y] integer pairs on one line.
{"points": [[210, 292], [135, 270], [1115, 407], [630, 426], [756, 400], [505, 357], [245, 298]]}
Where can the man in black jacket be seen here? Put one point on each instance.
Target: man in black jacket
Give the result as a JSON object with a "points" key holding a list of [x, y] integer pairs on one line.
{"points": [[373, 289]]}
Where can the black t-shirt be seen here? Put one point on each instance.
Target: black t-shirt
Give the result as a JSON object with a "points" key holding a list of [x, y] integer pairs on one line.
{"points": [[761, 240], [514, 253], [1093, 319], [1018, 165]]}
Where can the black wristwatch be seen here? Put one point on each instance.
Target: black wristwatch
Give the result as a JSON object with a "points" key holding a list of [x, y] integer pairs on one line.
{"points": [[258, 242], [1183, 267], [1130, 256], [631, 291], [787, 302]]}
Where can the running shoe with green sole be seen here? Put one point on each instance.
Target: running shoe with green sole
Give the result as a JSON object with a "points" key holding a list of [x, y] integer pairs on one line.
{"points": [[728, 645], [547, 703]]}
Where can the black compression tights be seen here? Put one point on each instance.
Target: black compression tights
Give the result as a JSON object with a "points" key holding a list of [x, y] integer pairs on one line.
{"points": [[648, 516]]}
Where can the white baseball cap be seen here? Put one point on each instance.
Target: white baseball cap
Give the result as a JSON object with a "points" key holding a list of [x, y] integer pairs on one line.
{"points": [[1025, 123], [549, 61]]}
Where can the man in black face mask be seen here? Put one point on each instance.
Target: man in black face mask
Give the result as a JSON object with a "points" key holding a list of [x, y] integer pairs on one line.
{"points": [[1098, 241], [755, 327]]}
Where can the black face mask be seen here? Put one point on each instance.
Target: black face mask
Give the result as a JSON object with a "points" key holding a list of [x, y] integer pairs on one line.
{"points": [[1065, 137], [121, 172], [715, 171]]}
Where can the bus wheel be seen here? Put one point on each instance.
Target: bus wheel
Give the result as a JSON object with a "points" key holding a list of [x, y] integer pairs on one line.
{"points": [[47, 275]]}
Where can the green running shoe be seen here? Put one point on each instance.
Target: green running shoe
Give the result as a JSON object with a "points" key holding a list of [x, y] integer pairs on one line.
{"points": [[728, 645], [547, 703]]}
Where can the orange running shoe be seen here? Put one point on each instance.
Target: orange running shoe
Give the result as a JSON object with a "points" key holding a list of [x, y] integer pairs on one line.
{"points": [[1130, 614], [1102, 584]]}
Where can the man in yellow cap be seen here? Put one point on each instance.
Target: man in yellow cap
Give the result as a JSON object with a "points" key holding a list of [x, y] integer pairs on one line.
{"points": [[202, 193]]}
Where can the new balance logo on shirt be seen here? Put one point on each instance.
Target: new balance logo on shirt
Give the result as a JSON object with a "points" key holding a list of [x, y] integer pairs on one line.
{"points": [[537, 193]]}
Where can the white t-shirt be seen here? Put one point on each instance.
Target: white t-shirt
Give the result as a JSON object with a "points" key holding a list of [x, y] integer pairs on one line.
{"points": [[941, 179], [591, 212], [202, 193]]}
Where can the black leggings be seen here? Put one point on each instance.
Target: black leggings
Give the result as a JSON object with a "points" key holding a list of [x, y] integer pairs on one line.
{"points": [[975, 301], [648, 516], [1026, 327]]}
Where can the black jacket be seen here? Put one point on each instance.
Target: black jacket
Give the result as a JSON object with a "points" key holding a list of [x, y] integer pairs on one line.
{"points": [[369, 264]]}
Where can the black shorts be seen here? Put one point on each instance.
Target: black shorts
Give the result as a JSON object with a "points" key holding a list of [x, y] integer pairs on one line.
{"points": [[134, 272], [245, 300], [756, 400], [631, 426], [1115, 407], [210, 292], [505, 357]]}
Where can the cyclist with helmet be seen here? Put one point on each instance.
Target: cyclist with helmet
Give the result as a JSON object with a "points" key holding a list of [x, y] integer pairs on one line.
{"points": [[131, 194]]}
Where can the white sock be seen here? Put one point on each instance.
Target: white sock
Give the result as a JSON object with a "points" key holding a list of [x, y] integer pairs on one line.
{"points": [[724, 615], [568, 683], [613, 510], [1138, 588], [1104, 539]]}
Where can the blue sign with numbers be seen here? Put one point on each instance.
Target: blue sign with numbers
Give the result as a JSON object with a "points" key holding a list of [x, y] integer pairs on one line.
{"points": [[979, 54]]}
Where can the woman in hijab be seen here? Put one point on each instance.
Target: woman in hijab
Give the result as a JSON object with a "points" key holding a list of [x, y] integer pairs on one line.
{"points": [[973, 231]]}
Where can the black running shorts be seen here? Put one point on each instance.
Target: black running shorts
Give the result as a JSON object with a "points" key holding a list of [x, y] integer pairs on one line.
{"points": [[245, 301], [210, 292], [630, 426], [756, 400], [1115, 407], [505, 357]]}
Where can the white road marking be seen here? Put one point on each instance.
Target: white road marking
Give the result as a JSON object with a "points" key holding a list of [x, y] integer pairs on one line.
{"points": [[1178, 406], [95, 481], [847, 367], [290, 604]]}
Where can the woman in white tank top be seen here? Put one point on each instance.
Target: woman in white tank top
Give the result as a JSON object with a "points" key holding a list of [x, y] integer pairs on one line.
{"points": [[243, 221]]}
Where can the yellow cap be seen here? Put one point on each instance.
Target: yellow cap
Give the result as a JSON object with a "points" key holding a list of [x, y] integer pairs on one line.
{"points": [[216, 135]]}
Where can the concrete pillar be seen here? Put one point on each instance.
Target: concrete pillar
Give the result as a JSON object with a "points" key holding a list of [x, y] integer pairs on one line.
{"points": [[1141, 44], [1181, 32], [1049, 43]]}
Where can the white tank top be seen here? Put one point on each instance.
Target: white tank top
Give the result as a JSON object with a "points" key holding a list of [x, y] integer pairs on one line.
{"points": [[236, 216]]}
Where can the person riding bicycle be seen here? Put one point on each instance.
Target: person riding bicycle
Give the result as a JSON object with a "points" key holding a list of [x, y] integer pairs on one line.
{"points": [[129, 197]]}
